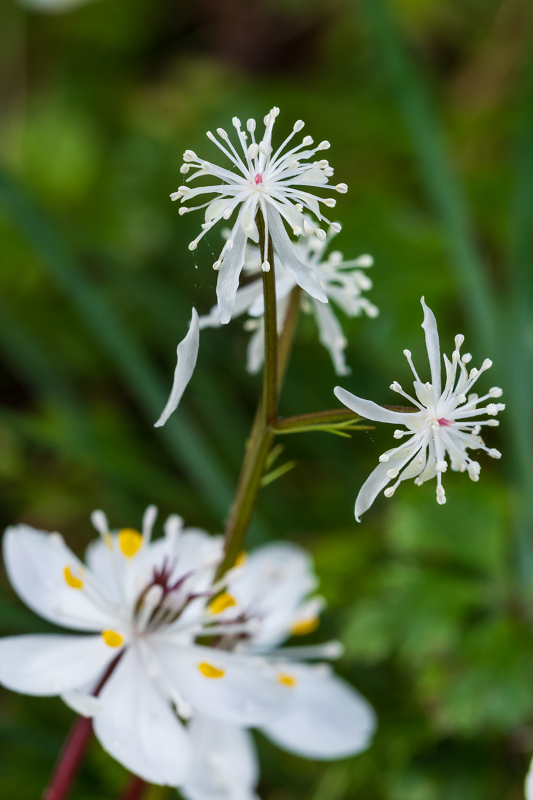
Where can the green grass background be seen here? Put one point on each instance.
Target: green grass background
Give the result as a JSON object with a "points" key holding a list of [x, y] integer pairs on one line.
{"points": [[428, 105]]}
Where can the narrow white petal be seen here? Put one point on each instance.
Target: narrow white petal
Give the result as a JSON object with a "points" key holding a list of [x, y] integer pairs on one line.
{"points": [[224, 762], [187, 355], [229, 274], [329, 719], [370, 410], [378, 479], [529, 783], [35, 562], [82, 703], [331, 336], [137, 726], [50, 664], [433, 347], [305, 276], [245, 692], [256, 351]]}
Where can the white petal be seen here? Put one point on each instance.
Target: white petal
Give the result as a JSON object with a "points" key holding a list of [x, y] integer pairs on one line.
{"points": [[433, 347], [256, 351], [274, 583], [378, 479], [229, 273], [329, 719], [247, 692], [50, 664], [529, 783], [331, 336], [224, 762], [35, 564], [370, 410], [187, 355], [137, 726], [305, 276], [85, 704]]}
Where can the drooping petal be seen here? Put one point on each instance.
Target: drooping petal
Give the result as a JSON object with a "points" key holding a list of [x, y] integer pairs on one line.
{"points": [[304, 275], [433, 347], [187, 355], [229, 273], [224, 762], [529, 783], [237, 689], [370, 410], [331, 336], [329, 718], [49, 664], [378, 479], [138, 727], [35, 562]]}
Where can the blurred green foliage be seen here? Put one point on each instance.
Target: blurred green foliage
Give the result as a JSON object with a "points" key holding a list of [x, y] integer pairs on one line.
{"points": [[428, 105]]}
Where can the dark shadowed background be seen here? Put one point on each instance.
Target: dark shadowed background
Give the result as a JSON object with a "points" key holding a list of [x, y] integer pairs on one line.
{"points": [[428, 105]]}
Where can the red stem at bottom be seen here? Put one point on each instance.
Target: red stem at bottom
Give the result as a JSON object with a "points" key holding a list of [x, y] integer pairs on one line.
{"points": [[135, 788]]}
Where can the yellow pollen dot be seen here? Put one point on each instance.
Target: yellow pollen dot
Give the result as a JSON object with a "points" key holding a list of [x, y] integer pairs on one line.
{"points": [[112, 638], [241, 559], [108, 541], [129, 541], [286, 680], [209, 671], [221, 603], [72, 580], [305, 626]]}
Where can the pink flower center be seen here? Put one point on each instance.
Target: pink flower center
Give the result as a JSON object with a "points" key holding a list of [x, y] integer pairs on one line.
{"points": [[444, 423], [258, 178]]}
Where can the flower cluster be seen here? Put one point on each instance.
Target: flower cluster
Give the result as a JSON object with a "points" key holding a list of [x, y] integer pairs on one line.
{"points": [[168, 707]]}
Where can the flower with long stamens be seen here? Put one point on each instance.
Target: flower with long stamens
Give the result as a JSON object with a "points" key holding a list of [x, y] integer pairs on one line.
{"points": [[328, 719], [279, 185], [141, 604], [447, 424], [342, 281]]}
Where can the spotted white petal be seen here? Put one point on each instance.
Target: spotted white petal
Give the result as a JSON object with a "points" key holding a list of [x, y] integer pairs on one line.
{"points": [[224, 762], [328, 720], [49, 664], [237, 689], [36, 564], [187, 355], [138, 727]]}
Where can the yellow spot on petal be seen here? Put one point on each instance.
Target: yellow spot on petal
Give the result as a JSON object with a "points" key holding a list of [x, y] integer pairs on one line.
{"points": [[209, 671], [286, 680], [129, 541], [305, 626], [72, 580], [221, 603], [112, 638], [241, 559], [108, 541]]}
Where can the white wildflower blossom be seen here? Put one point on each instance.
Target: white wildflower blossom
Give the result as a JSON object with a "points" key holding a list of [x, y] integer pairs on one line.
{"points": [[277, 184], [141, 604], [328, 718], [447, 424], [343, 282]]}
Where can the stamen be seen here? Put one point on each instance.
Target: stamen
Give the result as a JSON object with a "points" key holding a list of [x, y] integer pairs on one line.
{"points": [[112, 638], [305, 626], [72, 580], [286, 680], [209, 671], [129, 541]]}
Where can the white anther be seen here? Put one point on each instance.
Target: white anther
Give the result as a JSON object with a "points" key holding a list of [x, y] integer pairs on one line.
{"points": [[99, 521], [307, 140], [236, 122], [487, 364], [493, 453], [365, 261], [467, 358], [210, 136], [335, 226], [474, 373], [495, 391], [441, 466], [330, 202], [325, 145], [492, 423], [461, 398], [395, 386], [392, 473], [384, 458], [190, 155], [456, 355], [459, 339], [390, 491], [229, 244], [322, 234], [222, 133], [193, 245], [297, 230], [251, 125], [185, 168], [253, 150], [265, 266], [329, 172], [299, 207], [298, 125], [440, 490], [294, 164], [274, 112], [324, 164], [183, 210], [398, 434], [183, 190], [217, 265], [265, 148], [407, 353], [342, 188]]}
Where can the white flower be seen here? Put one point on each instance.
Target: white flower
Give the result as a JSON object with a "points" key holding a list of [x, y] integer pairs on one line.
{"points": [[341, 280], [442, 427], [328, 719], [141, 604], [261, 181]]}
